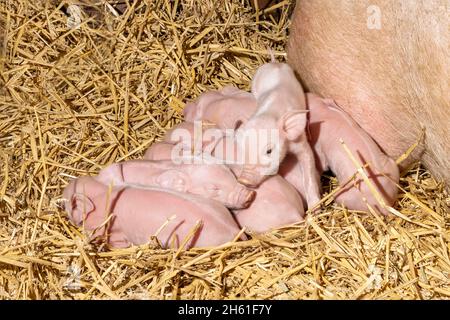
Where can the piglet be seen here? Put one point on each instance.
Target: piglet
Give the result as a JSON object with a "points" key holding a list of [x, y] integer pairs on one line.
{"points": [[200, 140], [196, 137], [277, 204], [226, 108], [78, 195], [213, 181], [139, 213], [281, 109], [328, 124], [160, 151]]}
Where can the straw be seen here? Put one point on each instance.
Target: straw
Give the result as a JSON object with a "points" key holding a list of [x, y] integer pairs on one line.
{"points": [[73, 100]]}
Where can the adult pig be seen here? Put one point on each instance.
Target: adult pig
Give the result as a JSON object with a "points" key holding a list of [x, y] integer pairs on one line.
{"points": [[213, 181], [277, 204], [139, 213], [386, 63]]}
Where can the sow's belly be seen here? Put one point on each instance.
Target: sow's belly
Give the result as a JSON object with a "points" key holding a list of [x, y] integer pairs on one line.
{"points": [[387, 65]]}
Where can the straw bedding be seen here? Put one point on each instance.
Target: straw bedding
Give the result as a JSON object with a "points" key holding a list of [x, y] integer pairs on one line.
{"points": [[74, 99]]}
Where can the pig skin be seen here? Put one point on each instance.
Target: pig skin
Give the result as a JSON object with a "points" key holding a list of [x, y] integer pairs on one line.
{"points": [[277, 204], [281, 106], [330, 148], [225, 108], [159, 151], [212, 145], [328, 124], [138, 213], [197, 137], [213, 181]]}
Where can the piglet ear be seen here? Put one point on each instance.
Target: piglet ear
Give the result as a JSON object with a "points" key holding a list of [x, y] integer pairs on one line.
{"points": [[79, 207], [173, 180], [293, 124]]}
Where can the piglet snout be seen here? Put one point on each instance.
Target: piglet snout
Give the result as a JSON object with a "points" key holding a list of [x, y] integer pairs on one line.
{"points": [[240, 197]]}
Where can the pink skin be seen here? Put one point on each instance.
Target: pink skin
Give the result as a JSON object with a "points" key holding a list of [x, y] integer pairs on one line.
{"points": [[181, 141], [178, 133], [226, 108], [213, 181], [159, 151], [277, 204], [337, 121], [328, 124], [198, 137], [392, 80], [293, 173], [78, 206], [139, 213], [172, 135], [281, 107]]}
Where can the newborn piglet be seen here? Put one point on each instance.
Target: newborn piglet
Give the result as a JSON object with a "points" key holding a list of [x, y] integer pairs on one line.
{"points": [[187, 139], [277, 204], [328, 124], [226, 108], [213, 181], [281, 109], [137, 214]]}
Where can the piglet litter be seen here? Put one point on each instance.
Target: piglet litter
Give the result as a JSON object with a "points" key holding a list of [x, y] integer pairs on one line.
{"points": [[73, 100]]}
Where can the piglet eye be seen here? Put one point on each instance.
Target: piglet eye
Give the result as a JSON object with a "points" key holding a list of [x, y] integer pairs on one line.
{"points": [[269, 151]]}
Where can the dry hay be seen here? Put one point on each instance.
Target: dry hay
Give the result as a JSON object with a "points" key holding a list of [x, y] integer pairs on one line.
{"points": [[75, 100]]}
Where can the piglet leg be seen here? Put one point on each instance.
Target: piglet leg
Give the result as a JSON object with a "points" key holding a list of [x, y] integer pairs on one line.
{"points": [[356, 195], [291, 171], [307, 170]]}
